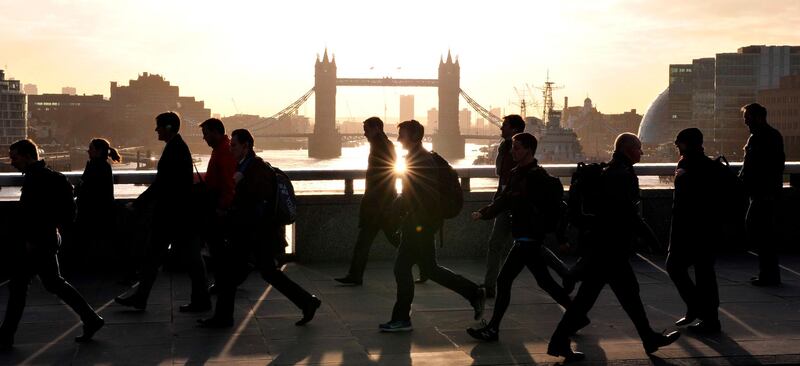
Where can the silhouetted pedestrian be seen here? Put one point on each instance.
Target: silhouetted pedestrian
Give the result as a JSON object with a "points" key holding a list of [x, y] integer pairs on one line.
{"points": [[375, 214], [500, 240], [762, 175], [420, 200], [254, 235], [168, 198], [219, 186], [531, 200], [607, 258], [693, 239], [46, 205]]}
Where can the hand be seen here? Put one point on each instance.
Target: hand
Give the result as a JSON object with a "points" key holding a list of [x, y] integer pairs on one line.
{"points": [[476, 216]]}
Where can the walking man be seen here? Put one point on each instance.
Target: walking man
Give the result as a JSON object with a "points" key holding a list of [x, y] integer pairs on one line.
{"points": [[254, 235], [46, 205], [168, 198], [423, 217], [692, 240], [762, 175], [607, 258], [375, 213]]}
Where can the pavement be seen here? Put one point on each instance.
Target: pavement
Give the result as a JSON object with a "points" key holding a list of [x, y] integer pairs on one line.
{"points": [[760, 325]]}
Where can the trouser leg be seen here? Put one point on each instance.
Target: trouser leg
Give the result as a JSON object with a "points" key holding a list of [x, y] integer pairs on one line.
{"points": [[623, 282], [537, 264], [189, 248], [761, 231], [426, 260], [17, 294], [678, 270], [160, 240], [405, 280], [366, 236], [513, 265], [584, 300], [49, 273], [500, 242], [707, 289]]}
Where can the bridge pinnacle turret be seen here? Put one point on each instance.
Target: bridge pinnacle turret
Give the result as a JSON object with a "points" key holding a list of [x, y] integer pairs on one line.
{"points": [[449, 57], [325, 57]]}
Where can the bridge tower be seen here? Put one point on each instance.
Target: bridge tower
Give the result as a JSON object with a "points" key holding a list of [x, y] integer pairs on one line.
{"points": [[448, 140], [325, 142]]}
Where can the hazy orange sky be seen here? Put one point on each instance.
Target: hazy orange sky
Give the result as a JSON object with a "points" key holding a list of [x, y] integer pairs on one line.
{"points": [[262, 53]]}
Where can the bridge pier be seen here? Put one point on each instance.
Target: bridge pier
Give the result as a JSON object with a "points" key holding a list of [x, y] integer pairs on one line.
{"points": [[324, 146], [450, 146]]}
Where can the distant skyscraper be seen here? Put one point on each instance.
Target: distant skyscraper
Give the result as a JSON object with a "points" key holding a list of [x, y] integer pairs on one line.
{"points": [[406, 107], [783, 113], [479, 125], [464, 120], [71, 119], [68, 90], [30, 89], [12, 112], [433, 119]]}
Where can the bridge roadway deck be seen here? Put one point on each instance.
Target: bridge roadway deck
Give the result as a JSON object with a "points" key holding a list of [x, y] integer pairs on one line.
{"points": [[761, 325]]}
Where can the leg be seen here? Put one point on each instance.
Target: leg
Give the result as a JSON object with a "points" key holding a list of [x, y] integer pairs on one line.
{"points": [[678, 269], [189, 247], [404, 279], [47, 268], [366, 235], [575, 315], [761, 225], [233, 271], [17, 294], [708, 299], [500, 242], [537, 264], [426, 260], [511, 269], [160, 240], [623, 282]]}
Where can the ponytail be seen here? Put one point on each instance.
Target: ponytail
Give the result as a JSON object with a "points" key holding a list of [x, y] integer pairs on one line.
{"points": [[105, 147], [114, 155]]}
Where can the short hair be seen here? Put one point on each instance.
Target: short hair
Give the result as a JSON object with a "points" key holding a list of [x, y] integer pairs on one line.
{"points": [[169, 120], [214, 124], [692, 137], [374, 122], [25, 147], [757, 110], [243, 136], [516, 122], [624, 141], [527, 140], [415, 129]]}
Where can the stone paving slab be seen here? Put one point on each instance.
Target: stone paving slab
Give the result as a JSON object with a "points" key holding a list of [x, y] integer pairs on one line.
{"points": [[761, 325]]}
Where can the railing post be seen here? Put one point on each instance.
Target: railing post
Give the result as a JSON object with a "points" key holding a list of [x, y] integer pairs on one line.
{"points": [[348, 186], [465, 184]]}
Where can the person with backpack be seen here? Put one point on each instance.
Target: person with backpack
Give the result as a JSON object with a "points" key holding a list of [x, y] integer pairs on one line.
{"points": [[692, 241], [533, 198], [500, 239], [45, 207], [427, 198], [168, 198], [375, 213], [762, 175], [618, 220], [256, 232]]}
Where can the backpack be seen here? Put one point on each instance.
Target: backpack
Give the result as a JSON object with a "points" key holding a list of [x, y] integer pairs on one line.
{"points": [[585, 194], [731, 202], [285, 199], [551, 203], [63, 195], [451, 196]]}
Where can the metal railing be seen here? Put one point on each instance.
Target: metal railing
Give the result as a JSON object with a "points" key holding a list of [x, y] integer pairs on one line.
{"points": [[350, 175]]}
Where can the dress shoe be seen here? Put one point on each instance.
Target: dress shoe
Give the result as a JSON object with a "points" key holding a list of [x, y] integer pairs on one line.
{"points": [[562, 349], [486, 333], [90, 327], [309, 310], [349, 280], [135, 301], [686, 320], [213, 289], [706, 327], [656, 340], [479, 303], [215, 323], [421, 279], [764, 282], [195, 307]]}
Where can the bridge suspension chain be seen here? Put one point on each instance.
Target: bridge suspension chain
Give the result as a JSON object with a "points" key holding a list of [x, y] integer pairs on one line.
{"points": [[291, 108], [495, 120]]}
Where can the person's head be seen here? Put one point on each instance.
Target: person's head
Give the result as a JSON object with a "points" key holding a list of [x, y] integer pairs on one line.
{"points": [[512, 125], [410, 133], [213, 131], [241, 143], [630, 146], [23, 153], [101, 149], [689, 140], [523, 147], [167, 125], [373, 127], [754, 115]]}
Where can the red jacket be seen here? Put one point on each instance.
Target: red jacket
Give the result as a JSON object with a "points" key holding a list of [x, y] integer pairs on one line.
{"points": [[219, 174]]}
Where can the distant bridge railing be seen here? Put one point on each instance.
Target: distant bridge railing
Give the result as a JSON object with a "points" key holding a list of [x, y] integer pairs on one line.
{"points": [[350, 175]]}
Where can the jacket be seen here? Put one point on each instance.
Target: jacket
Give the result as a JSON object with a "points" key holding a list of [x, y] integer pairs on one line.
{"points": [[170, 192], [420, 196], [252, 209], [219, 174], [503, 165], [95, 193], [380, 189], [694, 204], [764, 160], [40, 206]]}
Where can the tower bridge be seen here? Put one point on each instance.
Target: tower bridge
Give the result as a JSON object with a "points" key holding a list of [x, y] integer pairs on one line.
{"points": [[326, 141]]}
